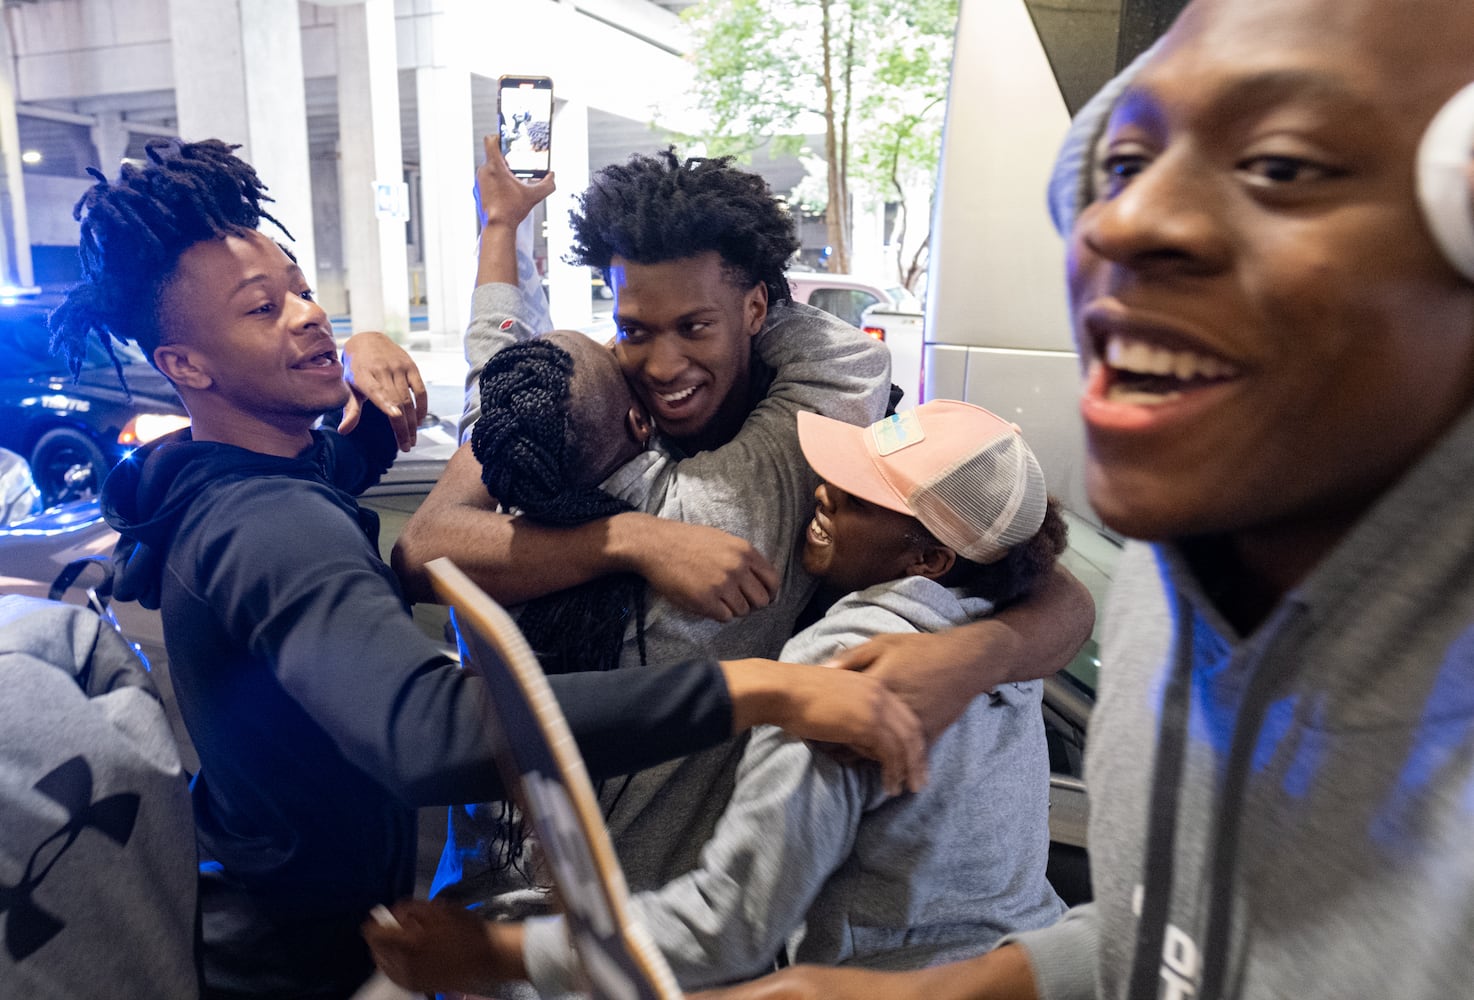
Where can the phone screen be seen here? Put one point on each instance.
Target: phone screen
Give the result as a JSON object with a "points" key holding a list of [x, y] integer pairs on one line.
{"points": [[525, 108]]}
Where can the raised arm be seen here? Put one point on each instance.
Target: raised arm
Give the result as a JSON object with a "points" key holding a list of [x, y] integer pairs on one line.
{"points": [[503, 316]]}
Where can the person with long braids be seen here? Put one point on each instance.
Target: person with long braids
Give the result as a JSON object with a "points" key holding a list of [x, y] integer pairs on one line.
{"points": [[320, 713]]}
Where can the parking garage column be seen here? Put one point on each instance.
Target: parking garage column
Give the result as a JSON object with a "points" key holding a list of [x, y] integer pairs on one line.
{"points": [[448, 157], [238, 77], [373, 198], [569, 297], [15, 233]]}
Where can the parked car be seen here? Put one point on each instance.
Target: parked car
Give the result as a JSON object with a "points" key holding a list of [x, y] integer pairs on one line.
{"points": [[72, 433], [845, 295], [33, 552]]}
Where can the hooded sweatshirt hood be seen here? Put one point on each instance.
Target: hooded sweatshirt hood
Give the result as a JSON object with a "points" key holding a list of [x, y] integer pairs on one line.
{"points": [[148, 495]]}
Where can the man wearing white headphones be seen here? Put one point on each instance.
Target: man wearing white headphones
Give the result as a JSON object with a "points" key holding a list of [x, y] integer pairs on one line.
{"points": [[1272, 285]]}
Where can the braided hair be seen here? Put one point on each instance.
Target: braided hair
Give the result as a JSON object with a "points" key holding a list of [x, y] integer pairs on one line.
{"points": [[135, 230], [654, 209], [528, 444]]}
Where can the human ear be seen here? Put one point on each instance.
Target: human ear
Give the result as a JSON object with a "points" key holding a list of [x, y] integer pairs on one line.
{"points": [[755, 307], [179, 366], [932, 561], [638, 423]]}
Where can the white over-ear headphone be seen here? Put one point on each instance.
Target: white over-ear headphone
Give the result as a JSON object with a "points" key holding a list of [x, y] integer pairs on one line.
{"points": [[1446, 180]]}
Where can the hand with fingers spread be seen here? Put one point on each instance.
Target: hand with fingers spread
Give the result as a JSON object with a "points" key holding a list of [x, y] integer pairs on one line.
{"points": [[379, 370], [437, 947], [698, 568]]}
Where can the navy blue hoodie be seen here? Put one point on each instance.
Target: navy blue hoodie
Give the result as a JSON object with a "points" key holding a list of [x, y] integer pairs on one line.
{"points": [[320, 712]]}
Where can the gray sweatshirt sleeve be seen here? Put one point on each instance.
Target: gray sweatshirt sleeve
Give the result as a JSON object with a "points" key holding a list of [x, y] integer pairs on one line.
{"points": [[1063, 956], [499, 319], [728, 918]]}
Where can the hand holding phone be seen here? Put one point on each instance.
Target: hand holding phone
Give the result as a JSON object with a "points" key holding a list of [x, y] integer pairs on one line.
{"points": [[501, 197], [525, 115]]}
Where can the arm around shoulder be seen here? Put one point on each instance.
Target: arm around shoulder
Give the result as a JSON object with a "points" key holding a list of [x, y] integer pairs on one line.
{"points": [[511, 558], [939, 674]]}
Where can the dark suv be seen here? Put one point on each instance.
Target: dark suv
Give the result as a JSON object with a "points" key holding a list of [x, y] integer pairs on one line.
{"points": [[72, 434]]}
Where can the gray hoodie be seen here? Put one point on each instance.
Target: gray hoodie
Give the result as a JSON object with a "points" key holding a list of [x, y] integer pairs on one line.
{"points": [[1317, 788], [97, 859], [811, 852]]}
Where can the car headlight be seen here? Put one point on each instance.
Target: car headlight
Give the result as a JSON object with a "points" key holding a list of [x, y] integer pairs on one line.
{"points": [[144, 427]]}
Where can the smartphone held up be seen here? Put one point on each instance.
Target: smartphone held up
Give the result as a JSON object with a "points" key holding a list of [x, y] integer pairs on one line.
{"points": [[525, 116]]}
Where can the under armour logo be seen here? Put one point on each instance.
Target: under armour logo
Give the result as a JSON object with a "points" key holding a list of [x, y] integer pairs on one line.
{"points": [[27, 925]]}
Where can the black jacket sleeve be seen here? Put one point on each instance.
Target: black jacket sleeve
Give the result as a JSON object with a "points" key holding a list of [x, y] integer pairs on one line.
{"points": [[302, 587]]}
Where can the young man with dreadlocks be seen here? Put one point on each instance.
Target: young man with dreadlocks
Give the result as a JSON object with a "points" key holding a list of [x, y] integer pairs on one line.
{"points": [[735, 373], [321, 714]]}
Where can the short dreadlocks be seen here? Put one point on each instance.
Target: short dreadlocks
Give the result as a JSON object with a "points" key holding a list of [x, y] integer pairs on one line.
{"points": [[654, 209], [135, 230]]}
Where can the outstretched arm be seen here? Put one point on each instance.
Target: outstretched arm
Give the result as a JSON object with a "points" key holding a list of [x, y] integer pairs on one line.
{"points": [[939, 674]]}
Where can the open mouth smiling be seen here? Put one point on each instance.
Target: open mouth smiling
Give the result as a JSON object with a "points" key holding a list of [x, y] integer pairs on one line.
{"points": [[1134, 362], [1143, 372], [817, 534]]}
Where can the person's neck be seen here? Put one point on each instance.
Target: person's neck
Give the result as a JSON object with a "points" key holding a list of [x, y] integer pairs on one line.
{"points": [[252, 433], [1246, 574], [724, 424]]}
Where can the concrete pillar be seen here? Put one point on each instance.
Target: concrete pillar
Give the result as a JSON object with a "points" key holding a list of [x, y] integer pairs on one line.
{"points": [[568, 286], [110, 138], [369, 152], [447, 211], [15, 241], [238, 77]]}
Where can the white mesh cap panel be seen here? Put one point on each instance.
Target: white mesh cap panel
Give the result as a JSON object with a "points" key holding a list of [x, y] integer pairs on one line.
{"points": [[987, 503]]}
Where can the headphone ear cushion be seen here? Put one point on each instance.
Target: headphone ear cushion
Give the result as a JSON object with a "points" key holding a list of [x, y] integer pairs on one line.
{"points": [[1446, 180]]}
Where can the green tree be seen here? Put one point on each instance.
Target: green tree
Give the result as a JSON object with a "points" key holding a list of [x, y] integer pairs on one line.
{"points": [[870, 75]]}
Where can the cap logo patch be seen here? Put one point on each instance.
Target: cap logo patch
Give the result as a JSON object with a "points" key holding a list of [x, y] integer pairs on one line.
{"points": [[901, 430]]}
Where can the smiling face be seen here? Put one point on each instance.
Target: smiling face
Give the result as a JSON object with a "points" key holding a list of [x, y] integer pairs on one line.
{"points": [[852, 544], [685, 344], [250, 350], [1270, 336]]}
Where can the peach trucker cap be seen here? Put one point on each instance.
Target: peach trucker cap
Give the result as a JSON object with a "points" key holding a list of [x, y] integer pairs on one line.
{"points": [[963, 472]]}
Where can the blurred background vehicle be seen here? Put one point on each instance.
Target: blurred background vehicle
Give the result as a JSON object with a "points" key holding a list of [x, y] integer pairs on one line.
{"points": [[846, 295], [72, 433], [19, 497]]}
